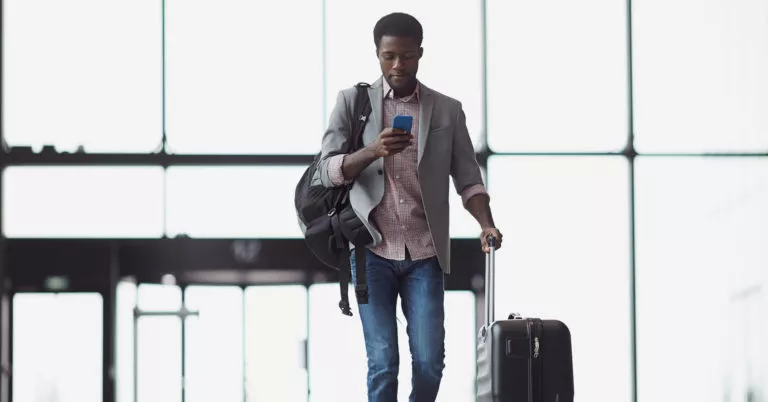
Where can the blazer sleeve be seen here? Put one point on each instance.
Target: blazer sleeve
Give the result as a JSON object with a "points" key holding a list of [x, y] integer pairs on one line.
{"points": [[467, 178], [335, 144]]}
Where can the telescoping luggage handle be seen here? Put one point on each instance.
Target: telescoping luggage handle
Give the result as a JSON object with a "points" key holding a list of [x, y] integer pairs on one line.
{"points": [[490, 281], [490, 289]]}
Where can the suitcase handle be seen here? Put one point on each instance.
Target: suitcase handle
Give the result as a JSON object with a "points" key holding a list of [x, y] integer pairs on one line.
{"points": [[490, 281]]}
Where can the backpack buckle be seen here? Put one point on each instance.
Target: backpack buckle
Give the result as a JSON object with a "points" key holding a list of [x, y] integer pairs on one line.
{"points": [[361, 292]]}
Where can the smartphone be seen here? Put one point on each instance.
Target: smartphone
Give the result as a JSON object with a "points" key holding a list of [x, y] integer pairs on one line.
{"points": [[403, 123]]}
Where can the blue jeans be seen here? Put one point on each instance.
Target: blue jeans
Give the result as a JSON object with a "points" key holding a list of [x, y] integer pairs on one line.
{"points": [[420, 285]]}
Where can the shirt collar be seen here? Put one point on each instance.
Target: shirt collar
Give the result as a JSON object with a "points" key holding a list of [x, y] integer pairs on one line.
{"points": [[389, 93]]}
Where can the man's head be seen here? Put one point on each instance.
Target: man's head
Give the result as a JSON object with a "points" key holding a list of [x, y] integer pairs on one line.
{"points": [[398, 39]]}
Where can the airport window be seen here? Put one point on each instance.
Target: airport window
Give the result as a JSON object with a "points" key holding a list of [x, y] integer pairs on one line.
{"points": [[249, 82], [125, 299], [159, 359], [83, 201], [213, 347], [557, 76], [699, 76], [57, 347], [159, 351], [566, 234], [701, 255], [252, 201], [275, 343], [80, 73]]}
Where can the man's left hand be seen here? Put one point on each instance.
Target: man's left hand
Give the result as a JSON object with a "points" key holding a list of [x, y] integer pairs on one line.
{"points": [[484, 238]]}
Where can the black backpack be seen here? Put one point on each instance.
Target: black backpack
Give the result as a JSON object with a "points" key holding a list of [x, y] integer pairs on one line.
{"points": [[326, 217]]}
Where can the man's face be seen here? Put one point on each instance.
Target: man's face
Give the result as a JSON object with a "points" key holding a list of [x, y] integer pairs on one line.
{"points": [[399, 60]]}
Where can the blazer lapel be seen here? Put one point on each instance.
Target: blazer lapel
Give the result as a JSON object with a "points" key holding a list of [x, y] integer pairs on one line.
{"points": [[426, 102], [375, 94]]}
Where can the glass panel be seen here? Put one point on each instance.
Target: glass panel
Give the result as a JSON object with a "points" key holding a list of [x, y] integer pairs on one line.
{"points": [[75, 201], [565, 256], [458, 382], [159, 345], [702, 227], [81, 73], [351, 52], [702, 88], [214, 344], [159, 359], [67, 366], [124, 352], [156, 297], [337, 359], [238, 85], [233, 201], [557, 75], [275, 335], [746, 379]]}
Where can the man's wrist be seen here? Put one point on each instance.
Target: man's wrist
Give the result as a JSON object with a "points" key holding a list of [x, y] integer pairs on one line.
{"points": [[369, 153]]}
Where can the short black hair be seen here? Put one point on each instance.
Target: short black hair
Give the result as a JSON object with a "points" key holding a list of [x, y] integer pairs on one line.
{"points": [[398, 24]]}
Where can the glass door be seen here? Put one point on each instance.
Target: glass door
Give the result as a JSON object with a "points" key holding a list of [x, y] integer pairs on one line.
{"points": [[205, 343]]}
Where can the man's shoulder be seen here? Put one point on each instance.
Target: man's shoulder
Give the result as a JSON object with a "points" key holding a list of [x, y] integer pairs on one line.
{"points": [[440, 97], [349, 92]]}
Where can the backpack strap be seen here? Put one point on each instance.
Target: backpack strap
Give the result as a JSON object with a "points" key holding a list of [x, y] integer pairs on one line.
{"points": [[361, 286], [360, 115]]}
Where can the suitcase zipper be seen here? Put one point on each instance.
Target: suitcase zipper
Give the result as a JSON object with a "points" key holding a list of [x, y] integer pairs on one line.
{"points": [[537, 362]]}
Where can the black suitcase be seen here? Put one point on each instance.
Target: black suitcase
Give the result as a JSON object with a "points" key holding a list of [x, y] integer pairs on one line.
{"points": [[522, 359]]}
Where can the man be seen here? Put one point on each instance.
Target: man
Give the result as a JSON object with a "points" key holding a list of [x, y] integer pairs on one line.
{"points": [[400, 192]]}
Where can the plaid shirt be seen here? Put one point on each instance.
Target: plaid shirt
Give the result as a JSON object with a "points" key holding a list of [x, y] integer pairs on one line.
{"points": [[400, 215]]}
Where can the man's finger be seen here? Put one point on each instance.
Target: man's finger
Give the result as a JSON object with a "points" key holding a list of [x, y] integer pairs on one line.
{"points": [[395, 140], [393, 133]]}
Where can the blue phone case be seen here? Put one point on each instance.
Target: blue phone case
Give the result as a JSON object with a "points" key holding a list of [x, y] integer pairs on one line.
{"points": [[403, 122]]}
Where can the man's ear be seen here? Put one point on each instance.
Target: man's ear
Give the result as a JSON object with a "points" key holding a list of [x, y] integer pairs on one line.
{"points": [[421, 51]]}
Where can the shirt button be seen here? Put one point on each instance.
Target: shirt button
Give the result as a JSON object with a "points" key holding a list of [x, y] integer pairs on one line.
{"points": [[397, 177], [403, 226], [402, 201]]}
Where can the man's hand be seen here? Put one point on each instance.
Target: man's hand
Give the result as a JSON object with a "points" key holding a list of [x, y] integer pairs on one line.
{"points": [[484, 239], [390, 142]]}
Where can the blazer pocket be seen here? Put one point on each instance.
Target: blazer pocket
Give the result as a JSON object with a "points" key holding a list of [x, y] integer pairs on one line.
{"points": [[439, 130]]}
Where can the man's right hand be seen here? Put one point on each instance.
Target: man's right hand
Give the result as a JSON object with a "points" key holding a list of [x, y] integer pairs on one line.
{"points": [[390, 142]]}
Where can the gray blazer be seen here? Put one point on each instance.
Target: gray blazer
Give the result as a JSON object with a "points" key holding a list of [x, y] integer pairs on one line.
{"points": [[444, 149]]}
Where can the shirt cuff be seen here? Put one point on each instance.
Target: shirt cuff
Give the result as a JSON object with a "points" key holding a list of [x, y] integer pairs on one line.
{"points": [[472, 191], [334, 170]]}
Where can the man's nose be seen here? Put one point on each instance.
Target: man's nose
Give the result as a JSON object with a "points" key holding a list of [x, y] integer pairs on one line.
{"points": [[399, 64]]}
